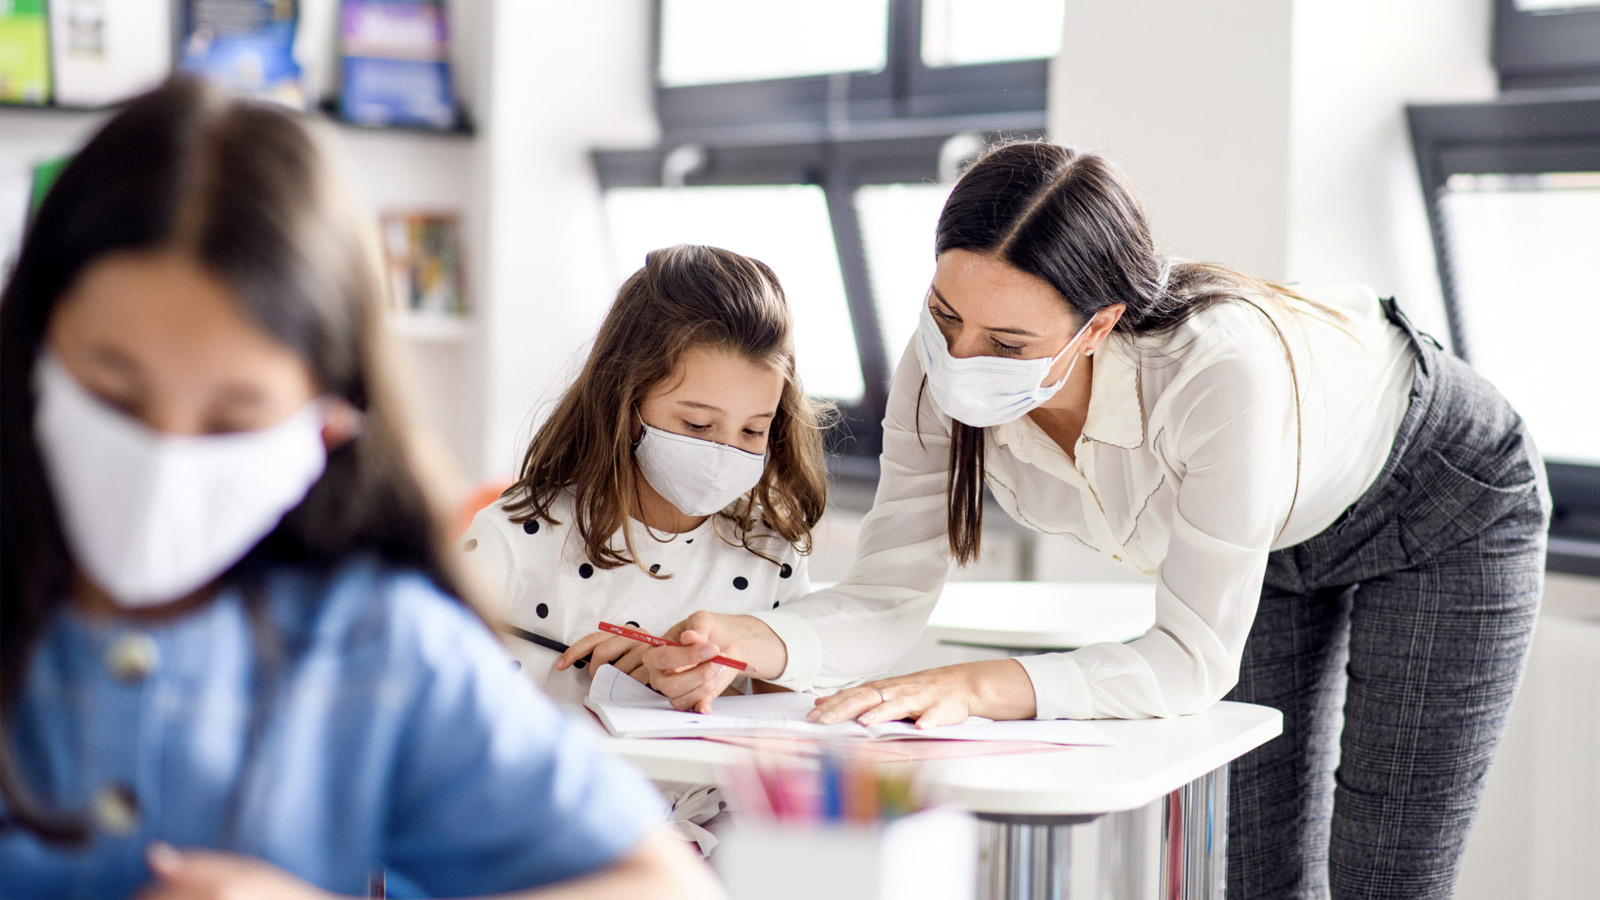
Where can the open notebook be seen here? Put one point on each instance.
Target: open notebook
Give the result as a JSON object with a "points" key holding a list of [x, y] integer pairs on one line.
{"points": [[630, 709]]}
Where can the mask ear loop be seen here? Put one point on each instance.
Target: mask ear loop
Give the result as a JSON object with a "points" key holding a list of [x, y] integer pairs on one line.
{"points": [[1063, 350]]}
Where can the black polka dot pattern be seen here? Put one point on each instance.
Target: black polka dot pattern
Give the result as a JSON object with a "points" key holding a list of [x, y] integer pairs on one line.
{"points": [[632, 624], [688, 540], [471, 545], [542, 610], [785, 570], [774, 604], [655, 568], [586, 571], [531, 526], [741, 583]]}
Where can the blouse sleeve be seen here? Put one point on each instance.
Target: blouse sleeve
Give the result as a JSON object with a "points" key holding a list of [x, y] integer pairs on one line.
{"points": [[862, 625], [493, 788], [1230, 436], [488, 562]]}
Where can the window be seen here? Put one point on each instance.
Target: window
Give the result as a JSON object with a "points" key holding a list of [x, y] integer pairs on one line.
{"points": [[783, 225], [1513, 193], [967, 32], [897, 223], [1516, 240], [726, 41], [820, 136]]}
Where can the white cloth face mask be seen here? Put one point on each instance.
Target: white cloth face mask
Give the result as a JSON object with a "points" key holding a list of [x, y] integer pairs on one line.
{"points": [[151, 517], [698, 477], [986, 390]]}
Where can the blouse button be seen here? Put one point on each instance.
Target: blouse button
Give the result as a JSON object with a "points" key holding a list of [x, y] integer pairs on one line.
{"points": [[133, 656], [116, 809]]}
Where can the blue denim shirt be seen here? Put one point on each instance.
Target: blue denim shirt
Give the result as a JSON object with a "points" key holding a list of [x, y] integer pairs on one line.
{"points": [[391, 732]]}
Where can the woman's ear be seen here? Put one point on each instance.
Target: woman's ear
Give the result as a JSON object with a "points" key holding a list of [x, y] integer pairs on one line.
{"points": [[341, 424], [1100, 327]]}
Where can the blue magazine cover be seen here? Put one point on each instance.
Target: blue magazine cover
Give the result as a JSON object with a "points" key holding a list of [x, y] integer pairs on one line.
{"points": [[396, 68], [245, 45]]}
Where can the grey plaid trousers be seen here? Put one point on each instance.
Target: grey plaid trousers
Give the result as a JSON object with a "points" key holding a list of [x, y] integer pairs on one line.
{"points": [[1393, 643]]}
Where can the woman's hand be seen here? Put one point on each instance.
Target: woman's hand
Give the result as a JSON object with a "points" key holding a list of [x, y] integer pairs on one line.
{"points": [[687, 677], [992, 688], [603, 647], [211, 875]]}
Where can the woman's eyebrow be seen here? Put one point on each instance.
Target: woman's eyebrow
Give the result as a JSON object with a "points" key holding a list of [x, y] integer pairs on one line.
{"points": [[1021, 332]]}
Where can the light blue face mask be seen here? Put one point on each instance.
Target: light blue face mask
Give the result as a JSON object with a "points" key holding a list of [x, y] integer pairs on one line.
{"points": [[986, 390]]}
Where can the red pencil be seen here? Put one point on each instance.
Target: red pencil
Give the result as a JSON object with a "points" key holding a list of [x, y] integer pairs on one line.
{"points": [[663, 642]]}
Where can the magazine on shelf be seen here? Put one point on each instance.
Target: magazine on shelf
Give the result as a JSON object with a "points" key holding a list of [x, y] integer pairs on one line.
{"points": [[105, 51], [248, 46], [395, 63], [24, 52], [423, 252]]}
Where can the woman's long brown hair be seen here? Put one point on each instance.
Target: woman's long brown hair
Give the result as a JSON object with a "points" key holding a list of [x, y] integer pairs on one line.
{"points": [[1072, 219], [245, 190], [684, 296]]}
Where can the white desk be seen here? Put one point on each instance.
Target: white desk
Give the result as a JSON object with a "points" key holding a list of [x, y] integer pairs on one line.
{"points": [[1038, 616], [1028, 801]]}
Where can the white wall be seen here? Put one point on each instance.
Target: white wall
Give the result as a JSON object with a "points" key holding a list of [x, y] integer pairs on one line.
{"points": [[1271, 134], [565, 78]]}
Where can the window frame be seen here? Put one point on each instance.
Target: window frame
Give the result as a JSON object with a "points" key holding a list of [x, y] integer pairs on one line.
{"points": [[905, 88], [1515, 135], [1553, 49]]}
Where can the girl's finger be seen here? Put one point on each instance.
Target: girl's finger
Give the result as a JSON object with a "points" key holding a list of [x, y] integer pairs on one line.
{"points": [[611, 650], [581, 648]]}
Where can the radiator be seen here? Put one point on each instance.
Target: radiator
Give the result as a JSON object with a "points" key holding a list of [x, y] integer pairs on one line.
{"points": [[1563, 681]]}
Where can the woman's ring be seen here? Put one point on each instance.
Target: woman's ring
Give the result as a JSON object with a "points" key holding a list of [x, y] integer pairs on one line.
{"points": [[881, 694]]}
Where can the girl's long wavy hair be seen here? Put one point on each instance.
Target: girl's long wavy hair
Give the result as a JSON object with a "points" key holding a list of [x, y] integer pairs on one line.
{"points": [[245, 191], [1072, 219], [684, 296]]}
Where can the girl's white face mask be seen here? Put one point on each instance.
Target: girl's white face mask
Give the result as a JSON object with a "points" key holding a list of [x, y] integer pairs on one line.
{"points": [[152, 517], [986, 390], [698, 477]]}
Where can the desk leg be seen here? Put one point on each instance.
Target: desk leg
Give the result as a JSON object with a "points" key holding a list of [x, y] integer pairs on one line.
{"points": [[1194, 840], [1025, 857]]}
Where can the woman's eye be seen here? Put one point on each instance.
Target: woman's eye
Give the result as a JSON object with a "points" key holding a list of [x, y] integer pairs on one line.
{"points": [[755, 434], [696, 428], [941, 315], [1005, 349]]}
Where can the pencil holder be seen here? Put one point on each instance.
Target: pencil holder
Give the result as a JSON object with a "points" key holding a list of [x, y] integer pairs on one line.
{"points": [[930, 855]]}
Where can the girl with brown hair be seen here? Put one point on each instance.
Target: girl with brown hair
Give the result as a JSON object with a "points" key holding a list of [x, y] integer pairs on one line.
{"points": [[1343, 522], [233, 658], [682, 469]]}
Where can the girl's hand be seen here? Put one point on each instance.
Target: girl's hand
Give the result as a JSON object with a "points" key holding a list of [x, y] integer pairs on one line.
{"points": [[993, 688], [210, 875], [686, 677], [603, 647]]}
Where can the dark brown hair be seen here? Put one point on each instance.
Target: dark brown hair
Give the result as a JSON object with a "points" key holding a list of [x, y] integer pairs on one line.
{"points": [[1072, 219], [685, 296], [245, 191]]}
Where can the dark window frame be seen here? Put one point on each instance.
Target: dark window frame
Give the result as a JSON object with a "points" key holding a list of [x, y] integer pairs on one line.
{"points": [[905, 88], [840, 132], [1529, 134], [1556, 49]]}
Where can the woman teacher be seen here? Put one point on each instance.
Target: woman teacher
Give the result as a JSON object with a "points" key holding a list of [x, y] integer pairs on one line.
{"points": [[1345, 523]]}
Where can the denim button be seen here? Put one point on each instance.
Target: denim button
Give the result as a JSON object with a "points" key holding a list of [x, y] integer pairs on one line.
{"points": [[116, 809], [133, 656]]}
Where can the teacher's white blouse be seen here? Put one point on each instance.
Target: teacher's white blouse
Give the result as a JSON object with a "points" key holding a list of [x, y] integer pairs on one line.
{"points": [[1186, 470]]}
